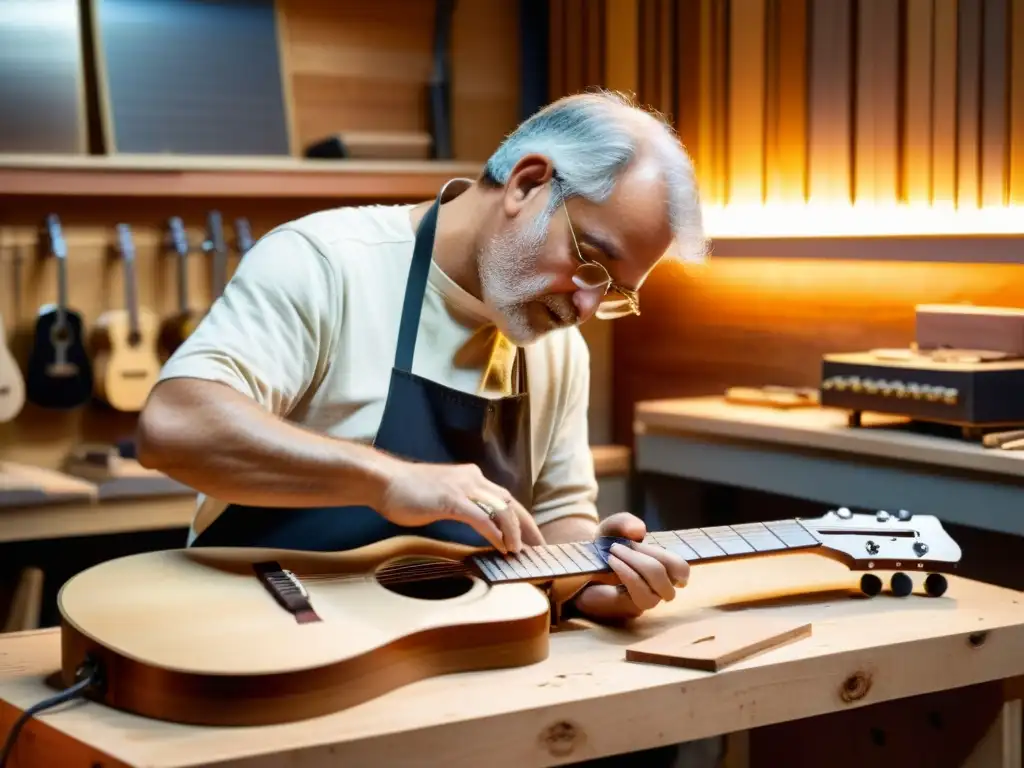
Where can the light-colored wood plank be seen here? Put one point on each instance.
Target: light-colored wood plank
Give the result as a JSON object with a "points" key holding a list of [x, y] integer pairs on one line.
{"points": [[916, 183], [944, 104], [820, 428], [173, 177], [786, 140], [994, 110], [584, 700], [717, 643], [54, 521], [830, 102], [1016, 102], [746, 101], [968, 109], [876, 135]]}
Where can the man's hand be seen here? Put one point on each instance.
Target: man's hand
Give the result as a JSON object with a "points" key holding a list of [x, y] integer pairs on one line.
{"points": [[417, 494], [649, 574]]}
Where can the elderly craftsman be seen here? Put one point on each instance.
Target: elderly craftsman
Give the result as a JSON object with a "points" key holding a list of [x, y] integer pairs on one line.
{"points": [[379, 369]]}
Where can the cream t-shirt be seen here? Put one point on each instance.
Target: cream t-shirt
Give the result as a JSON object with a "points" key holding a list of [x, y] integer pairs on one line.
{"points": [[308, 324]]}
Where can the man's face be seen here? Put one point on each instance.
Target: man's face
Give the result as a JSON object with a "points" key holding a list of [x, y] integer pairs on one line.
{"points": [[527, 267]]}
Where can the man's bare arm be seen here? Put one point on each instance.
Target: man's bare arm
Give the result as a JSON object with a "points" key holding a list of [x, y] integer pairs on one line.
{"points": [[223, 444], [572, 528]]}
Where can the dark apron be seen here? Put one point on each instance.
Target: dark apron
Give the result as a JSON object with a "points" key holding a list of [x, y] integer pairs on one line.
{"points": [[423, 421]]}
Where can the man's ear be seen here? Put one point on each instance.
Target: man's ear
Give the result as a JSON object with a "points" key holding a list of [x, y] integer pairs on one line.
{"points": [[528, 179]]}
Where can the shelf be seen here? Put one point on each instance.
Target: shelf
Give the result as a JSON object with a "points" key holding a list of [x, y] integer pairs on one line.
{"points": [[161, 176], [933, 233]]}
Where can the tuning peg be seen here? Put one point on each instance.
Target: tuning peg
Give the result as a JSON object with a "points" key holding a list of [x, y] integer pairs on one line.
{"points": [[881, 515], [903, 515], [935, 585], [844, 513], [901, 584], [870, 584]]}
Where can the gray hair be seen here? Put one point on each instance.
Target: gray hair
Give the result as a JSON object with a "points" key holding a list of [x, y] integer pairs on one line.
{"points": [[591, 139]]}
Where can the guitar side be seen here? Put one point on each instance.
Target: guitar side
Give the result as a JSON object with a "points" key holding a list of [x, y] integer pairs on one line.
{"points": [[12, 382]]}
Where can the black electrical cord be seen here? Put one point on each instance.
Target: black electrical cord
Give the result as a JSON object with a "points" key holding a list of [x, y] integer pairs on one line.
{"points": [[88, 675]]}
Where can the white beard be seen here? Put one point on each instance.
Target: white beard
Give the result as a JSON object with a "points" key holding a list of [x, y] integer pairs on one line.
{"points": [[510, 281]]}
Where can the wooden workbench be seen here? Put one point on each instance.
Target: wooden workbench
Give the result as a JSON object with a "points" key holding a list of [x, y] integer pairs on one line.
{"points": [[812, 454], [585, 700]]}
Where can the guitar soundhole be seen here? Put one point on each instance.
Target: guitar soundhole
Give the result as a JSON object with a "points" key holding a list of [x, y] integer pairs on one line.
{"points": [[425, 578]]}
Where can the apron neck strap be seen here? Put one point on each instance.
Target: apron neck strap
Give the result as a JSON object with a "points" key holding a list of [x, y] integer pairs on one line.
{"points": [[416, 284]]}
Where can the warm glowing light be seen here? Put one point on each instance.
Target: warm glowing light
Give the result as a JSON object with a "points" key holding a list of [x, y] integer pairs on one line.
{"points": [[779, 220]]}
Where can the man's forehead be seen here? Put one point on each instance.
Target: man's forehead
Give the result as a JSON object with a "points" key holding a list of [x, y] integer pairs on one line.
{"points": [[632, 223]]}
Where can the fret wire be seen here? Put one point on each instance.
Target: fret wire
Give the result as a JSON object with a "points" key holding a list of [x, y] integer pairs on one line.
{"points": [[529, 553], [564, 560], [576, 563], [594, 559], [552, 563], [702, 543], [521, 567]]}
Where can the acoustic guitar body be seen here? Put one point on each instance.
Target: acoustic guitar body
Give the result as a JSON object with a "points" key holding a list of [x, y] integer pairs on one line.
{"points": [[127, 362], [12, 382], [197, 636], [59, 372]]}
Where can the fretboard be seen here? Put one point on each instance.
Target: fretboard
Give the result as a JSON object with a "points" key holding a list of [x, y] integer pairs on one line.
{"points": [[694, 545]]}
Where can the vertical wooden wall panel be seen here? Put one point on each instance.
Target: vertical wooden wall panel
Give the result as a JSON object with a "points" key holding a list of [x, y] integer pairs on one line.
{"points": [[968, 105], [994, 73], [830, 101], [1016, 99], [666, 102], [746, 101], [718, 93], [944, 101], [688, 79], [786, 108], [621, 45], [916, 155], [556, 54], [876, 136]]}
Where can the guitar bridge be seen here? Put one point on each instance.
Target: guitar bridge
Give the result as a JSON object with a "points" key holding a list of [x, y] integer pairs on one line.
{"points": [[287, 590]]}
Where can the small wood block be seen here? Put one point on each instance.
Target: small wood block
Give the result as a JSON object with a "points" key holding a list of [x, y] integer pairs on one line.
{"points": [[713, 644]]}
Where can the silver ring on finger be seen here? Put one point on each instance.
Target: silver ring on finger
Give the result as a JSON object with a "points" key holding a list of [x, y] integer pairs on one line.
{"points": [[487, 508]]}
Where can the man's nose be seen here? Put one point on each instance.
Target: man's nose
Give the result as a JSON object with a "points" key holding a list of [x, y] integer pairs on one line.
{"points": [[586, 302]]}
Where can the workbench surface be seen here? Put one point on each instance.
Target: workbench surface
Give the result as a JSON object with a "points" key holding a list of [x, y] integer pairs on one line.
{"points": [[585, 700]]}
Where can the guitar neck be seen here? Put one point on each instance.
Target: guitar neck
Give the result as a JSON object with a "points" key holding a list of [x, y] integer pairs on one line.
{"points": [[695, 545], [131, 298]]}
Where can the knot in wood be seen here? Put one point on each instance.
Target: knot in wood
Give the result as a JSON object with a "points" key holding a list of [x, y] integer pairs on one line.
{"points": [[855, 687], [561, 738]]}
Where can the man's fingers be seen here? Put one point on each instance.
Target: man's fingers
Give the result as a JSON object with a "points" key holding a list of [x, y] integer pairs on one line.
{"points": [[650, 570], [643, 597], [505, 516], [470, 513], [528, 527], [675, 564]]}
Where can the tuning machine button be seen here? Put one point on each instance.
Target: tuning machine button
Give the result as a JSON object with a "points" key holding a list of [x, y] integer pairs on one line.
{"points": [[881, 516], [844, 513], [904, 515]]}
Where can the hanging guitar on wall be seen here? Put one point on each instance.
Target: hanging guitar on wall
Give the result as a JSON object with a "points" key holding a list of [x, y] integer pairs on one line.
{"points": [[181, 326], [127, 365], [243, 236], [215, 244], [59, 372], [12, 383]]}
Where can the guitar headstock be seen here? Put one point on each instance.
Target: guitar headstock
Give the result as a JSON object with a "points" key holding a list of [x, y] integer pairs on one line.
{"points": [[55, 234], [214, 233], [179, 238], [243, 234], [125, 242], [886, 540]]}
